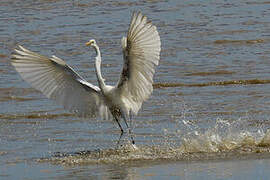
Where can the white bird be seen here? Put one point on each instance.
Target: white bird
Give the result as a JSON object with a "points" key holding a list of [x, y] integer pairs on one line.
{"points": [[58, 81]]}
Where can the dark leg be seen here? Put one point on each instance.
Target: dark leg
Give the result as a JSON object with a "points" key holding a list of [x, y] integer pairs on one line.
{"points": [[116, 119], [129, 129], [120, 137], [130, 120], [122, 132]]}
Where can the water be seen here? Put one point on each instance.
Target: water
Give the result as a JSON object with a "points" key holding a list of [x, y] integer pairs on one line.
{"points": [[208, 117]]}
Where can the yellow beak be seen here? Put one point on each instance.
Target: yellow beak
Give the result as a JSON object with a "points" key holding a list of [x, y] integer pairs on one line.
{"points": [[88, 43]]}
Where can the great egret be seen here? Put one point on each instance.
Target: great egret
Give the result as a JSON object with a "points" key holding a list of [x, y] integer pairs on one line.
{"points": [[58, 81]]}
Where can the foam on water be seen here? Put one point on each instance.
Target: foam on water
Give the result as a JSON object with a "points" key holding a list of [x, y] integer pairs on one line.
{"points": [[223, 141]]}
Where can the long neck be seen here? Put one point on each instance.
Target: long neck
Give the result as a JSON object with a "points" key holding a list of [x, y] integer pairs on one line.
{"points": [[98, 69]]}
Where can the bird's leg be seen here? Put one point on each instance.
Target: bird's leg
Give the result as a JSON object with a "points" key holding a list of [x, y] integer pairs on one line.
{"points": [[116, 119], [120, 137], [130, 120], [122, 131], [129, 129]]}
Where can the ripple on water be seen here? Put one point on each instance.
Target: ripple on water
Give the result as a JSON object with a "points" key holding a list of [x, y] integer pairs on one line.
{"points": [[37, 115], [253, 41], [219, 83]]}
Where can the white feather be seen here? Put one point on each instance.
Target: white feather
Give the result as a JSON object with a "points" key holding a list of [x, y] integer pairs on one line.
{"points": [[58, 81], [141, 53]]}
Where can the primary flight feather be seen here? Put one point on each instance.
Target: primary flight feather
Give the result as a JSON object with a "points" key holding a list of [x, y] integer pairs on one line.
{"points": [[58, 81]]}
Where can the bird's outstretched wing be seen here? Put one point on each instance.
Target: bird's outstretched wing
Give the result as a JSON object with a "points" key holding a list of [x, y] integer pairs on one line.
{"points": [[141, 50], [58, 81]]}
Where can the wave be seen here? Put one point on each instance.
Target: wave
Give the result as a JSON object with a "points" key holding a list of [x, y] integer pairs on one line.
{"points": [[219, 83], [37, 115]]}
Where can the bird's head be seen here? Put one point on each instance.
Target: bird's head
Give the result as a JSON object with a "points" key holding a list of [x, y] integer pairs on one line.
{"points": [[91, 42]]}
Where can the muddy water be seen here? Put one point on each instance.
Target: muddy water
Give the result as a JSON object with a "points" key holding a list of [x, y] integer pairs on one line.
{"points": [[208, 117]]}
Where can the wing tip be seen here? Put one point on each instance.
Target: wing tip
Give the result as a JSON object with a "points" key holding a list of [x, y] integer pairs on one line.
{"points": [[136, 12], [20, 48], [124, 42]]}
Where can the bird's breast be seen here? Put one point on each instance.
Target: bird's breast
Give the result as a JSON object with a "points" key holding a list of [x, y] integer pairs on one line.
{"points": [[113, 99]]}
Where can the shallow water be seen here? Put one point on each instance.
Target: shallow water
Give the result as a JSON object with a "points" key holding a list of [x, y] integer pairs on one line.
{"points": [[208, 117]]}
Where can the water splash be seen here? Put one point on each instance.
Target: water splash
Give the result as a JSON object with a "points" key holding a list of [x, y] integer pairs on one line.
{"points": [[225, 140]]}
